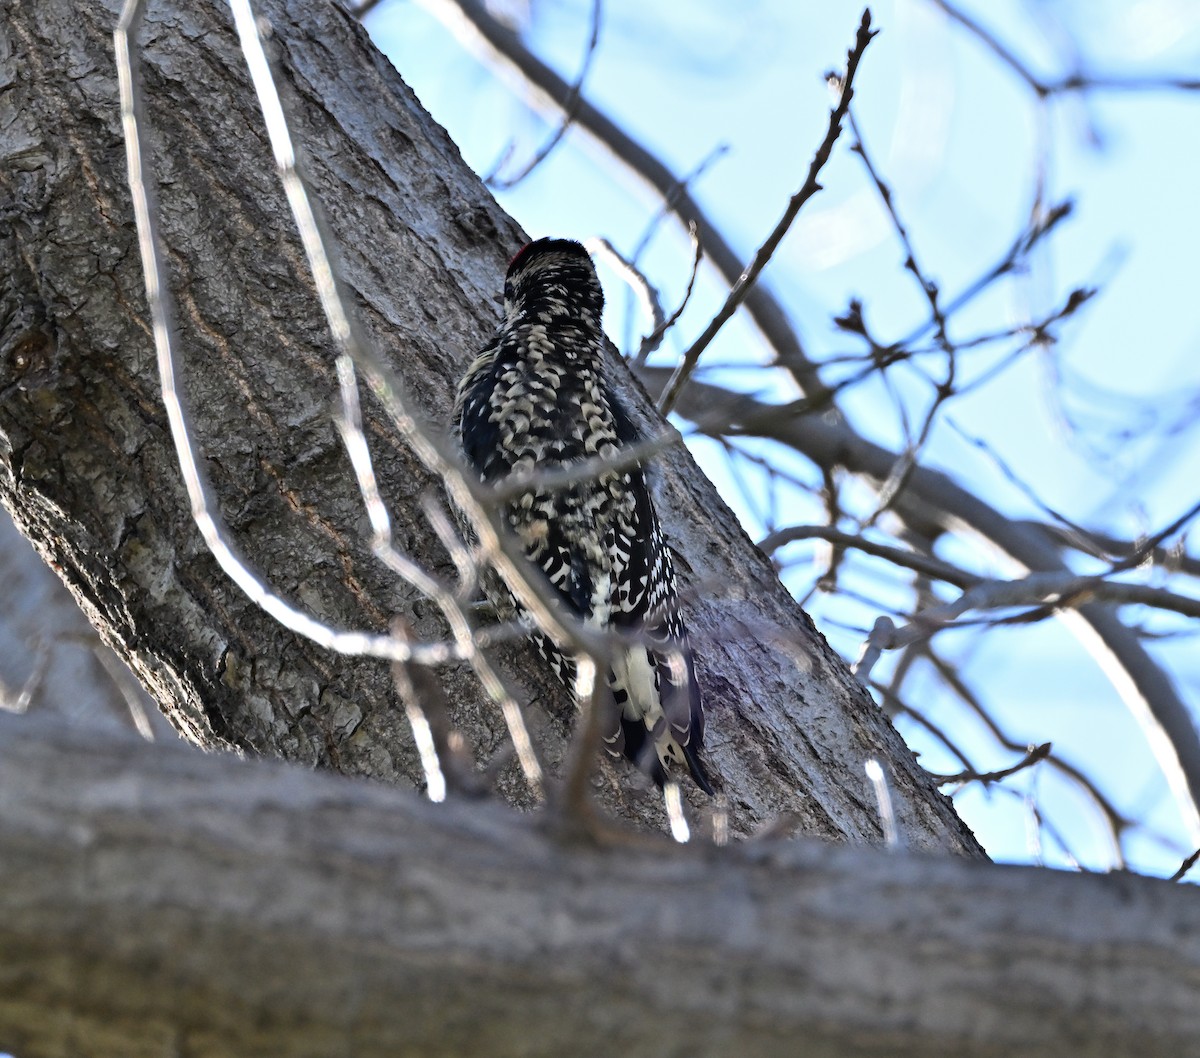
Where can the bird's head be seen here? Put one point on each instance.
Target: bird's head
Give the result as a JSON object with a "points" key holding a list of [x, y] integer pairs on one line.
{"points": [[553, 279]]}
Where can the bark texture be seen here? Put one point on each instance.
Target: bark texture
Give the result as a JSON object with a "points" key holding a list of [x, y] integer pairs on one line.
{"points": [[87, 467], [154, 900]]}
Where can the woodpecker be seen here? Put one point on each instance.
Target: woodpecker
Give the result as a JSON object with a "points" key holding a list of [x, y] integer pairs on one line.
{"points": [[536, 400]]}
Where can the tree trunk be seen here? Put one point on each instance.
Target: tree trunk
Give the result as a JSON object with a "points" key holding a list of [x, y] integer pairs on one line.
{"points": [[157, 901], [87, 466]]}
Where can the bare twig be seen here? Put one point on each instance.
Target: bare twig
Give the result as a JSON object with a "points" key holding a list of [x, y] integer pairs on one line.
{"points": [[1035, 755], [810, 187], [427, 749], [895, 707], [464, 562], [998, 49], [927, 564], [1040, 824], [1053, 590], [1042, 225], [1149, 545], [1075, 82], [654, 339], [316, 247], [1184, 867], [520, 482], [569, 107], [1117, 823], [633, 276], [204, 510], [1059, 590], [928, 287], [945, 389], [883, 799], [1101, 545], [445, 759]]}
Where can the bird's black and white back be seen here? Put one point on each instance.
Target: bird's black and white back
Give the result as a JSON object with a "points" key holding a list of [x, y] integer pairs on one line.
{"points": [[536, 399]]}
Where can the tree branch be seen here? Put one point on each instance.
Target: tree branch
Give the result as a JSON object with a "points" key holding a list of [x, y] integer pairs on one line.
{"points": [[928, 565], [1079, 81], [1055, 591], [745, 281], [155, 900], [932, 504]]}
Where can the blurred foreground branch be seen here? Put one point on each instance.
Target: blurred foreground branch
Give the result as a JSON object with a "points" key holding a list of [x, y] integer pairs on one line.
{"points": [[462, 929]]}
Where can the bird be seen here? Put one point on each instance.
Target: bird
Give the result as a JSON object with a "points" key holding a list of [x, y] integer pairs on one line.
{"points": [[538, 399]]}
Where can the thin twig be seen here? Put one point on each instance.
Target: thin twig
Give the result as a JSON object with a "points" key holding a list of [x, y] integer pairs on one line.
{"points": [[1184, 867], [1117, 823], [764, 253], [447, 764], [1100, 545], [570, 106], [1149, 545], [654, 339], [1075, 82], [1042, 226], [1057, 589], [904, 465], [895, 707], [1013, 478], [999, 50], [464, 562], [635, 279], [927, 564], [1035, 755], [422, 731], [928, 287], [204, 510], [518, 483], [316, 246]]}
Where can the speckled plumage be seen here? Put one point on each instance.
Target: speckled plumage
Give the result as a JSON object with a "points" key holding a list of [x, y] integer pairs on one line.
{"points": [[536, 400]]}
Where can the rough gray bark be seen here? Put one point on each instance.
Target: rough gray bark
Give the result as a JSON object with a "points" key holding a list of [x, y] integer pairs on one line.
{"points": [[155, 901], [87, 468]]}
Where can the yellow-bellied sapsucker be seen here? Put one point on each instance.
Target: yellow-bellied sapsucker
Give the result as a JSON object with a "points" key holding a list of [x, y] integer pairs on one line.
{"points": [[536, 399]]}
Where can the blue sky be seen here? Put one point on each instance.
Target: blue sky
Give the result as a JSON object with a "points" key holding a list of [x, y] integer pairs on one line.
{"points": [[1083, 424]]}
